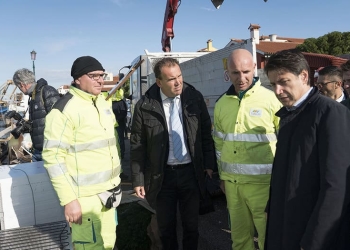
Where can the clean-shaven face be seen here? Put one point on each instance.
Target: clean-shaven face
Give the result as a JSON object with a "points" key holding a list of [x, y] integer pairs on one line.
{"points": [[91, 82], [288, 87], [171, 82]]}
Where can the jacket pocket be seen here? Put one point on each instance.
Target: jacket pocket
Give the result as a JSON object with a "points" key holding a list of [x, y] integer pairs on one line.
{"points": [[151, 122], [153, 129], [84, 233], [193, 110]]}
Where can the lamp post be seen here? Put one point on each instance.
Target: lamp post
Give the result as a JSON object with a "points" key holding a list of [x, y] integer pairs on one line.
{"points": [[33, 57]]}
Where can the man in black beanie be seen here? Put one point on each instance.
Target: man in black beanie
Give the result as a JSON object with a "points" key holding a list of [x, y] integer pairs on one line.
{"points": [[82, 159]]}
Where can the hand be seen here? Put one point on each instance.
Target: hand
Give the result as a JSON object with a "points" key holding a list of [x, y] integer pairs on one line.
{"points": [[72, 212], [222, 186], [209, 172], [140, 191]]}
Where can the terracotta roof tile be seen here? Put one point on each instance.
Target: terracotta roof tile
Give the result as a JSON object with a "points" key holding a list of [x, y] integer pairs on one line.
{"points": [[273, 47], [115, 80], [289, 39], [254, 26], [317, 60]]}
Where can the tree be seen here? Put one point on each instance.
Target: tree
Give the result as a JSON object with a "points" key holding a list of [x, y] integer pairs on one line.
{"points": [[126, 88], [335, 43]]}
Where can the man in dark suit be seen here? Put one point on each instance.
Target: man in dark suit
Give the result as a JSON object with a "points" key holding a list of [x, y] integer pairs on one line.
{"points": [[310, 189], [330, 83], [171, 147]]}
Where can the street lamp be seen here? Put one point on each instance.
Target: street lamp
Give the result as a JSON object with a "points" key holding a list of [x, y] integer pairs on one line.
{"points": [[33, 56]]}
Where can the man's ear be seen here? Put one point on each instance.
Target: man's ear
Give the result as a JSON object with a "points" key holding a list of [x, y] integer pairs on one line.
{"points": [[304, 75], [23, 86], [338, 84], [158, 82]]}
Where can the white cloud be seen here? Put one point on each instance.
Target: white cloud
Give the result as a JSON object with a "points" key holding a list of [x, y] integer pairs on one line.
{"points": [[207, 9]]}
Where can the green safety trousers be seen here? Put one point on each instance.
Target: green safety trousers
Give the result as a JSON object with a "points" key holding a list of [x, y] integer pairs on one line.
{"points": [[246, 202], [98, 228]]}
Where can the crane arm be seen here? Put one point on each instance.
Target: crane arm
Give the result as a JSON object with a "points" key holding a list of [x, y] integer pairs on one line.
{"points": [[170, 12], [168, 32]]}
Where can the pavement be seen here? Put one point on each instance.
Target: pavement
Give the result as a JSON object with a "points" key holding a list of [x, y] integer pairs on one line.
{"points": [[214, 232]]}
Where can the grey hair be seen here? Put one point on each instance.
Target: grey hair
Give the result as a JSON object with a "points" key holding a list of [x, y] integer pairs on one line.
{"points": [[24, 76]]}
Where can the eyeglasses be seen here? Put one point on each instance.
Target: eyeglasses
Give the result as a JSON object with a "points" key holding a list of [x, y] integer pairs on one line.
{"points": [[96, 77], [322, 84]]}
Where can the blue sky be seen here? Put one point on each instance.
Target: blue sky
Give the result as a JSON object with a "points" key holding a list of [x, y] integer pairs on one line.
{"points": [[116, 31]]}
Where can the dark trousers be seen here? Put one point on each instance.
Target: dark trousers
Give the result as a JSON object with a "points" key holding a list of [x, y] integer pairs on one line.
{"points": [[180, 187], [121, 132]]}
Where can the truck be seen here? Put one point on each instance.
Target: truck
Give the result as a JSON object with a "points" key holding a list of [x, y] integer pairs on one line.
{"points": [[206, 71], [142, 78]]}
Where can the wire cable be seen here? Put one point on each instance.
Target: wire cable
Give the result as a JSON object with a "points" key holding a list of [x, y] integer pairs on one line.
{"points": [[31, 188]]}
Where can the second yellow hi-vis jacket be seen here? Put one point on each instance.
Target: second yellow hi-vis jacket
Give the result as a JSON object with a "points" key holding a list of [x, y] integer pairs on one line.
{"points": [[245, 132], [80, 151]]}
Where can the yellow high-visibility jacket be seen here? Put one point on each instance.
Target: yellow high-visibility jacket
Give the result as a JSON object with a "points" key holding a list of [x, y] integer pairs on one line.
{"points": [[80, 150], [245, 132], [118, 95]]}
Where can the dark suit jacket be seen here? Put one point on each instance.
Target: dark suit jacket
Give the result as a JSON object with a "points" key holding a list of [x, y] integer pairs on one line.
{"points": [[310, 193], [149, 141]]}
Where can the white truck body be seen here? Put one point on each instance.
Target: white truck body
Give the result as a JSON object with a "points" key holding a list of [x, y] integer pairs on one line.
{"points": [[143, 76], [207, 72]]}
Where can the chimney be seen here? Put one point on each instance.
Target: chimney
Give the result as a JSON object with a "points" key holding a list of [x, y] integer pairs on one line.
{"points": [[209, 45], [254, 32], [273, 37]]}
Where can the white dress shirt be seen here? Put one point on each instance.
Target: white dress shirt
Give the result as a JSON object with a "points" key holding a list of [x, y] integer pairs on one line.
{"points": [[166, 105]]}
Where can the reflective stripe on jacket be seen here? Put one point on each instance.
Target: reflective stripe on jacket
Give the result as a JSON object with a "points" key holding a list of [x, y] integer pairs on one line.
{"points": [[80, 151], [245, 132]]}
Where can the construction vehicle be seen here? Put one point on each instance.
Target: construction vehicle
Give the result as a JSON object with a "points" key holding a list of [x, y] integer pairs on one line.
{"points": [[206, 71], [140, 81]]}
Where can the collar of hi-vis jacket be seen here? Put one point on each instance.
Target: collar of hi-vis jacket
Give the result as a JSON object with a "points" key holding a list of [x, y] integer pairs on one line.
{"points": [[84, 95], [240, 95]]}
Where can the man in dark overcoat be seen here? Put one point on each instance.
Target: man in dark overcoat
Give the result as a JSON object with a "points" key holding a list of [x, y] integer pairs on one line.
{"points": [[171, 148], [310, 183]]}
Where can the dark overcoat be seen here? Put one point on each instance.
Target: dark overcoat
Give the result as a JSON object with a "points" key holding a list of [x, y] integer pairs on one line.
{"points": [[149, 141], [40, 104], [309, 197]]}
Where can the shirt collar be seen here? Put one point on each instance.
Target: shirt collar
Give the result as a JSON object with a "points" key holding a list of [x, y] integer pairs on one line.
{"points": [[300, 101], [242, 93], [341, 98], [164, 97]]}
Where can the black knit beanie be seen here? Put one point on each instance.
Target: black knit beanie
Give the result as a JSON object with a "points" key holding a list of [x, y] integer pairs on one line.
{"points": [[83, 65]]}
